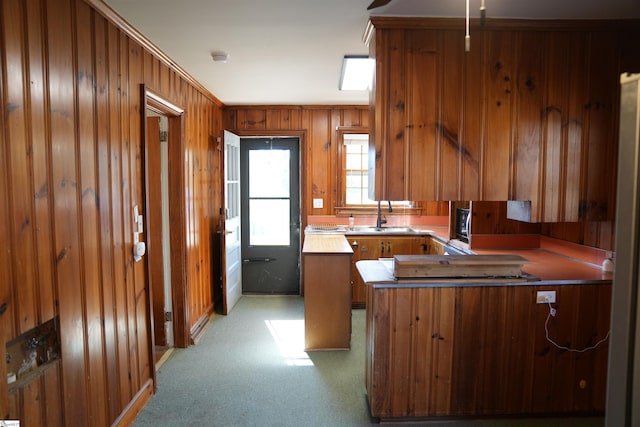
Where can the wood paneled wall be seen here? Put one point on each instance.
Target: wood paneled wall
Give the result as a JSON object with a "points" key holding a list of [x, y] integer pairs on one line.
{"points": [[320, 163], [491, 218], [318, 126], [71, 171]]}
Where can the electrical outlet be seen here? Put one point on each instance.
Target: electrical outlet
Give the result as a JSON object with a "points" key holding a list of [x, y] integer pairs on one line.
{"points": [[317, 203], [545, 297]]}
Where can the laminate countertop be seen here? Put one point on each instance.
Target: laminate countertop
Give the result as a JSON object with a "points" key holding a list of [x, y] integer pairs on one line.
{"points": [[554, 262]]}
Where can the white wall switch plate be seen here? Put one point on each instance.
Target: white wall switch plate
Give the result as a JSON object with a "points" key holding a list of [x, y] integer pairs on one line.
{"points": [[545, 297], [317, 203]]}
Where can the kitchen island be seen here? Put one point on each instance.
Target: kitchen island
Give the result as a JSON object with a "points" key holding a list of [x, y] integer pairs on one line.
{"points": [[483, 347], [327, 304]]}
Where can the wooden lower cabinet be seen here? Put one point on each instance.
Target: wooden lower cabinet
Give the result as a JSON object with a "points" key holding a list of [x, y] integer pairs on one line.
{"points": [[477, 351], [436, 247], [326, 262], [375, 247]]}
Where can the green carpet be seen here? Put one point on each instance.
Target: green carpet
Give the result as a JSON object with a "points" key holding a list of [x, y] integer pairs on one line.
{"points": [[249, 369]]}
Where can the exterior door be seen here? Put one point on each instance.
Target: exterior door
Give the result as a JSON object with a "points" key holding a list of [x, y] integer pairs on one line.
{"points": [[232, 279], [270, 215]]}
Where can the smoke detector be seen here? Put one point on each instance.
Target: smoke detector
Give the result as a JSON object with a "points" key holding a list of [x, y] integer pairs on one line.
{"points": [[219, 56]]}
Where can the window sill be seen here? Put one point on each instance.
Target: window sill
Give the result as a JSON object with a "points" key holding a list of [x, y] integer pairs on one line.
{"points": [[373, 210]]}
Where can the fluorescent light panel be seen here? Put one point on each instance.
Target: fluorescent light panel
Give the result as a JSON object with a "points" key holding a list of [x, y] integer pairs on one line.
{"points": [[357, 73]]}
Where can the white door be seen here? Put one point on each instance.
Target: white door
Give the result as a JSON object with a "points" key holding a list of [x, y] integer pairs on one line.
{"points": [[232, 262]]}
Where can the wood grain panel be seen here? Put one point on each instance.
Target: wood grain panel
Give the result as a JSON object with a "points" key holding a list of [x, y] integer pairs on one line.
{"points": [[554, 117], [425, 367], [64, 167], [117, 214], [472, 126], [40, 149], [88, 187], [488, 353], [423, 58], [104, 170], [452, 142], [574, 126], [445, 306], [142, 345], [530, 84], [51, 398], [500, 72], [393, 156], [32, 406], [19, 156], [598, 199], [320, 154], [7, 403]]}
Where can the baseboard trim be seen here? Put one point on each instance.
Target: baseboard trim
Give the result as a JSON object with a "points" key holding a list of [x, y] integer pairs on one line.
{"points": [[201, 325], [135, 406]]}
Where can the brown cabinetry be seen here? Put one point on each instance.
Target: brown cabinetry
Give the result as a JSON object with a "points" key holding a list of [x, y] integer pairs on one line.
{"points": [[326, 262], [436, 247], [529, 114], [374, 247], [466, 351]]}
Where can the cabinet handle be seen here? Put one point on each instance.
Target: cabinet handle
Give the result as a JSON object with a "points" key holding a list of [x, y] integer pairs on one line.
{"points": [[382, 247], [389, 247], [354, 244]]}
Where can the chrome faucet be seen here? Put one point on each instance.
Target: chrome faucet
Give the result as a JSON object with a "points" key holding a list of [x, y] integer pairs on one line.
{"points": [[379, 220]]}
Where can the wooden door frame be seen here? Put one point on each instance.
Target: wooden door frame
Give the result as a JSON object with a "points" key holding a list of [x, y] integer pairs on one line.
{"points": [[177, 232], [301, 134]]}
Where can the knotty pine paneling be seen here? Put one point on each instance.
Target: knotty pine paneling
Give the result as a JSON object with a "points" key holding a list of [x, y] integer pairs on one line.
{"points": [[319, 147], [71, 171], [319, 151], [483, 351], [495, 158]]}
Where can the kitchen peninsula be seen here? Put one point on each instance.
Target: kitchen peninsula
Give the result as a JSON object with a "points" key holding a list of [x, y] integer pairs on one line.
{"points": [[484, 347], [470, 347]]}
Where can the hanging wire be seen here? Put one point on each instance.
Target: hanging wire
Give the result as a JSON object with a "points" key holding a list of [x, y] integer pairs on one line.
{"points": [[552, 313]]}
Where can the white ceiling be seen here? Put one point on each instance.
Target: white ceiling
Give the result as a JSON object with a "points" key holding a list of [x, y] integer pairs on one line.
{"points": [[290, 51]]}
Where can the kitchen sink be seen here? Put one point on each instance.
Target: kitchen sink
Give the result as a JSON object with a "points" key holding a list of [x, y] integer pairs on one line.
{"points": [[386, 230]]}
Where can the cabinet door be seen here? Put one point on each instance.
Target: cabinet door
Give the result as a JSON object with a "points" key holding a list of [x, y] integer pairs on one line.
{"points": [[528, 115], [401, 245], [374, 247], [436, 247], [364, 247]]}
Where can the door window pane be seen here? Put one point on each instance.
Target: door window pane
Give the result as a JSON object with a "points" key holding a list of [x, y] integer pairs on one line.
{"points": [[269, 221], [269, 173]]}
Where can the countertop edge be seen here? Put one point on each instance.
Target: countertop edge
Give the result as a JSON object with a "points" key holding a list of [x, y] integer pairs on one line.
{"points": [[376, 274]]}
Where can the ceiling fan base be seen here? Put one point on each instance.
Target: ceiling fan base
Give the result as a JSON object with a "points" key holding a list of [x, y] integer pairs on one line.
{"points": [[378, 3]]}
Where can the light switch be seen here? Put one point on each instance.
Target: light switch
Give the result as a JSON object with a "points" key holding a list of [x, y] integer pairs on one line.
{"points": [[317, 203]]}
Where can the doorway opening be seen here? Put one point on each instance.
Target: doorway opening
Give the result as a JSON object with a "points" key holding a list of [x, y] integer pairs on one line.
{"points": [[164, 232], [270, 215]]}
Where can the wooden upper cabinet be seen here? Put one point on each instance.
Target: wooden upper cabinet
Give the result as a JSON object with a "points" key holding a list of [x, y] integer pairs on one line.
{"points": [[529, 114], [425, 125]]}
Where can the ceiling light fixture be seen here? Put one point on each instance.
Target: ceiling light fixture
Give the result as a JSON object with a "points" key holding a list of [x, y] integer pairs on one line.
{"points": [[219, 56], [357, 73]]}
